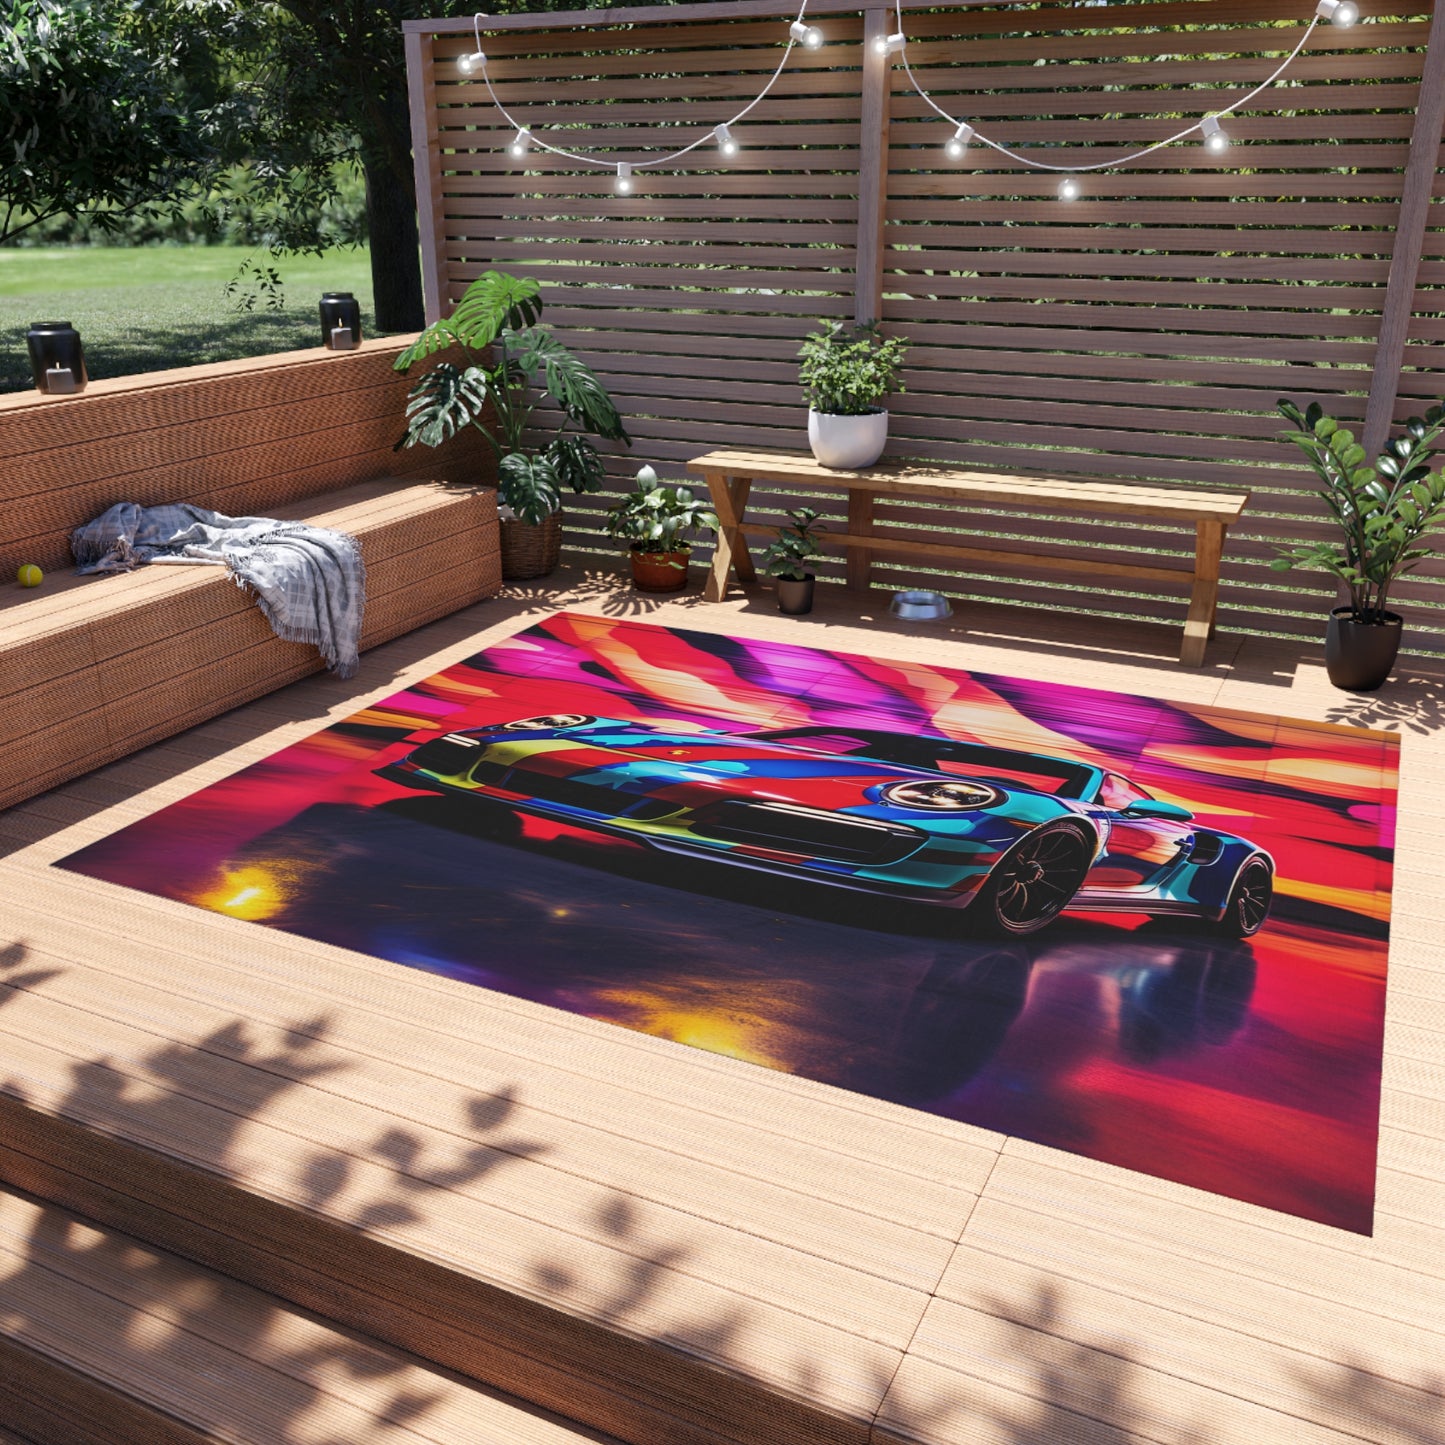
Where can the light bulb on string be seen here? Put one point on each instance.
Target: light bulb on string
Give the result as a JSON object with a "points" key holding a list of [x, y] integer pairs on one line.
{"points": [[1215, 140], [1068, 189], [1343, 13], [808, 35], [890, 44], [469, 63], [725, 141], [624, 178], [521, 142], [957, 146]]}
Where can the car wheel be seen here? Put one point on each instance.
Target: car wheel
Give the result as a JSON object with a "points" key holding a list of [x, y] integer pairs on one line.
{"points": [[1034, 881], [1249, 901]]}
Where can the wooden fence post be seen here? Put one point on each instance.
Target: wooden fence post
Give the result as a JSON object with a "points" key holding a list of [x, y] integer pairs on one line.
{"points": [[427, 164], [872, 168], [1415, 206]]}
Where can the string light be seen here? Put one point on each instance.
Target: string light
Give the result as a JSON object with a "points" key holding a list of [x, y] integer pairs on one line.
{"points": [[957, 148], [1342, 12], [1215, 140], [799, 33], [477, 60]]}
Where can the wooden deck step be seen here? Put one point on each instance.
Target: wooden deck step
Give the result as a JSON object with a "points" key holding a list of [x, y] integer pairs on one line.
{"points": [[107, 1340]]}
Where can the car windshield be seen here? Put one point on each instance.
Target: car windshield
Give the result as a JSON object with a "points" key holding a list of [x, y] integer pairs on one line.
{"points": [[944, 755]]}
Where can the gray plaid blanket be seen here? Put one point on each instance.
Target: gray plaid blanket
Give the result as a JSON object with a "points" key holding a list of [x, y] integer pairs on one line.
{"points": [[308, 581]]}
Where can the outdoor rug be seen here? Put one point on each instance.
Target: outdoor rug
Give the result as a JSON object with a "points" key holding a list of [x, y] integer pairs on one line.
{"points": [[1150, 933]]}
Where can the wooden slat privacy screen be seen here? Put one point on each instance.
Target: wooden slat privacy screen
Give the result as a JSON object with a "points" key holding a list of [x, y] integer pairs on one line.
{"points": [[1142, 331]]}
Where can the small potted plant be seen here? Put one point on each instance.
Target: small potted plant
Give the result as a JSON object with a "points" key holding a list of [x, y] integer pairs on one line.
{"points": [[498, 394], [788, 560], [656, 522], [1384, 510], [847, 372]]}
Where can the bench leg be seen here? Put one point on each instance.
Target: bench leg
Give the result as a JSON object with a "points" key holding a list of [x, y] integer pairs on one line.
{"points": [[860, 523], [1199, 625], [729, 501]]}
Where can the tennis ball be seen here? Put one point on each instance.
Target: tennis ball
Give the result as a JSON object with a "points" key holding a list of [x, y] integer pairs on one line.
{"points": [[30, 575]]}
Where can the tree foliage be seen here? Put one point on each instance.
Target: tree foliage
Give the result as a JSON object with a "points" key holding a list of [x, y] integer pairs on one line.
{"points": [[92, 114]]}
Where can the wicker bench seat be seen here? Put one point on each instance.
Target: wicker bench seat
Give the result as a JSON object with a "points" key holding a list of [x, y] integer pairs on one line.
{"points": [[96, 667], [92, 668]]}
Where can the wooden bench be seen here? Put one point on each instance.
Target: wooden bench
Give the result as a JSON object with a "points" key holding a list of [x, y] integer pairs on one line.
{"points": [[731, 474], [92, 668]]}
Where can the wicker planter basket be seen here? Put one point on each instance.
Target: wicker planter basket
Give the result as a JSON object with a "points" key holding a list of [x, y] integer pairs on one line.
{"points": [[530, 549]]}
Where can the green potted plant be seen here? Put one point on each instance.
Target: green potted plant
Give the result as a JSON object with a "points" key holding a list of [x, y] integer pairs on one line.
{"points": [[656, 521], [847, 372], [1384, 510], [498, 394], [788, 560]]}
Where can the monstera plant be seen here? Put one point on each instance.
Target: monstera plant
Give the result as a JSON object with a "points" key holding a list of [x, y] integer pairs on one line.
{"points": [[512, 362], [1384, 510]]}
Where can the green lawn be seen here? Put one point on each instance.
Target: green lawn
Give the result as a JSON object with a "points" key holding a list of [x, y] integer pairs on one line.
{"points": [[147, 308]]}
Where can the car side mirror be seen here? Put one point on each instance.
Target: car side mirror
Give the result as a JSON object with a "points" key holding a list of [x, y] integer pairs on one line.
{"points": [[1153, 808]]}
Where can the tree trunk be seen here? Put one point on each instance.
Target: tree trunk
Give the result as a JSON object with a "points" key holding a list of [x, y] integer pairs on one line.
{"points": [[395, 262]]}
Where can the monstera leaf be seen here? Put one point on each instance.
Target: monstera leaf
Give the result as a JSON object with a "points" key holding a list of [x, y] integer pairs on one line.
{"points": [[567, 380], [529, 485], [442, 402], [494, 302], [577, 463]]}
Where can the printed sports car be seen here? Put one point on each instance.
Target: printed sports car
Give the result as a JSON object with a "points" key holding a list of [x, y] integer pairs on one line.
{"points": [[1014, 837]]}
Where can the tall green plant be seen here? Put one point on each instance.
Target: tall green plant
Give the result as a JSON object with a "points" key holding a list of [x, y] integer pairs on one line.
{"points": [[848, 370], [1383, 508], [498, 395]]}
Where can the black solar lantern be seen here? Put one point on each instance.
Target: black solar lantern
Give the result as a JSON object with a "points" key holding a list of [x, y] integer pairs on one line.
{"points": [[57, 359], [340, 321]]}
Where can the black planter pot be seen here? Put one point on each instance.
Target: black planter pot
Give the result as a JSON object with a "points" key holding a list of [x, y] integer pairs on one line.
{"points": [[1359, 655], [795, 595]]}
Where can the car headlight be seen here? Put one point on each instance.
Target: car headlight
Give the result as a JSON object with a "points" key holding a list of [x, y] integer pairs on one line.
{"points": [[941, 797], [551, 722]]}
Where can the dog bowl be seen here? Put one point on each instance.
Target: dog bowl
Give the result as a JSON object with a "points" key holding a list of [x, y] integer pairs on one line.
{"points": [[920, 606]]}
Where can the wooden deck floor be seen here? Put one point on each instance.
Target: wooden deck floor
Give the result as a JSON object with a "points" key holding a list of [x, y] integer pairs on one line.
{"points": [[670, 1245]]}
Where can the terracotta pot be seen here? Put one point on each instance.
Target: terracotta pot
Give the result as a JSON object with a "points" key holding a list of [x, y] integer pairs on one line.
{"points": [[660, 571], [846, 443], [1359, 655], [529, 549], [795, 595]]}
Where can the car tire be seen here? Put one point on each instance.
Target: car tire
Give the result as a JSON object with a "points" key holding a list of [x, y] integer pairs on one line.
{"points": [[1247, 910], [1034, 881]]}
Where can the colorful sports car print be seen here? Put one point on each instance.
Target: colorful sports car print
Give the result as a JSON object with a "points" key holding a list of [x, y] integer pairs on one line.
{"points": [[1014, 837]]}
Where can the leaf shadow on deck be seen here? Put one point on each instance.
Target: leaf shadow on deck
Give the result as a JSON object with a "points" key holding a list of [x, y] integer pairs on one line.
{"points": [[1035, 1374]]}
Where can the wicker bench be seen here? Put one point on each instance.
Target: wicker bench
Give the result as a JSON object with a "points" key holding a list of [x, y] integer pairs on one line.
{"points": [[731, 474], [92, 668]]}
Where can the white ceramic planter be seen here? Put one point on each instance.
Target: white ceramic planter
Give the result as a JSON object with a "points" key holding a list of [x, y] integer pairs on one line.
{"points": [[846, 443]]}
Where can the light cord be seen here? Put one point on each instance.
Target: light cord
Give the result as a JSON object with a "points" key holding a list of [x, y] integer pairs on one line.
{"points": [[1120, 160], [611, 165]]}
